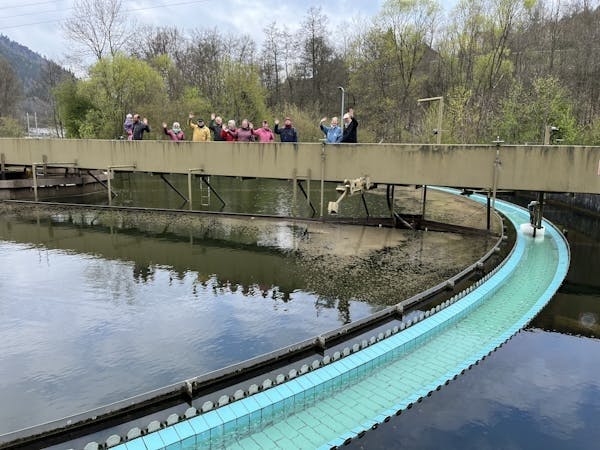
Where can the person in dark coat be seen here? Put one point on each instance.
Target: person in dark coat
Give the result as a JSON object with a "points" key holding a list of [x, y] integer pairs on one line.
{"points": [[288, 133], [139, 127], [216, 126], [350, 126]]}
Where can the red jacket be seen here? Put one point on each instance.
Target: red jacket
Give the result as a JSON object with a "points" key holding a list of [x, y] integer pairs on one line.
{"points": [[229, 135]]}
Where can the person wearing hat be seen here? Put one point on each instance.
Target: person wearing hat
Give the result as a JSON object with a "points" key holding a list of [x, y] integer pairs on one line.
{"points": [[201, 132], [288, 133], [175, 133]]}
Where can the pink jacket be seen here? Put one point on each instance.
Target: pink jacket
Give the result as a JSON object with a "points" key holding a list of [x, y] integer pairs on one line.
{"points": [[264, 134]]}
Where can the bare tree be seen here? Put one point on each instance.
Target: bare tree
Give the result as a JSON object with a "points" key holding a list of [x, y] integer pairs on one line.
{"points": [[99, 27]]}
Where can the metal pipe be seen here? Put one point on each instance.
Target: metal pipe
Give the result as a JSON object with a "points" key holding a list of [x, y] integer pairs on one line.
{"points": [[424, 201], [173, 187], [322, 177], [35, 186], [190, 189], [109, 172]]}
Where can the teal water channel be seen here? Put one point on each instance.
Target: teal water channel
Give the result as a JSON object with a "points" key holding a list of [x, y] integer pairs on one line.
{"points": [[341, 400], [541, 390]]}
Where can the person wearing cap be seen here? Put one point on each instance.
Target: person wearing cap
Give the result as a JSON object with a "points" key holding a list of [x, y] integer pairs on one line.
{"points": [[333, 133], [264, 133], [288, 133], [201, 132], [350, 126], [175, 133]]}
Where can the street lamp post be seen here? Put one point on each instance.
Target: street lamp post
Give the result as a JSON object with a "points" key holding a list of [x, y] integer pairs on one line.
{"points": [[440, 115], [343, 95], [439, 139]]}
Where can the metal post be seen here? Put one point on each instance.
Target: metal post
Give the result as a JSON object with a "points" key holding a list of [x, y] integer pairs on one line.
{"points": [[28, 132], [322, 177], [295, 193], [440, 115], [489, 215], [308, 187], [342, 109], [109, 188], [190, 189], [440, 120], [35, 185], [424, 201], [541, 210]]}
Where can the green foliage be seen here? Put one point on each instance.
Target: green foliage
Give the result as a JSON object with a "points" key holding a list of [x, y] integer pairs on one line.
{"points": [[9, 127], [243, 95], [526, 113], [72, 106], [120, 85]]}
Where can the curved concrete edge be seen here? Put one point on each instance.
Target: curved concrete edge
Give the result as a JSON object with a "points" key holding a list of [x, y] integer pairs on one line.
{"points": [[560, 274]]}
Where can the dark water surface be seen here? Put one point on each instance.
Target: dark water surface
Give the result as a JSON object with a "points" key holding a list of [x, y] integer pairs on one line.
{"points": [[539, 391]]}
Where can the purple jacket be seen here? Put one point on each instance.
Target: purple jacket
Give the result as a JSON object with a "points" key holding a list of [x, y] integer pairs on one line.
{"points": [[244, 135]]}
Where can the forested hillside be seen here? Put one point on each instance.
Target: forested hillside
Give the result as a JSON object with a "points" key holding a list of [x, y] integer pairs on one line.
{"points": [[26, 82]]}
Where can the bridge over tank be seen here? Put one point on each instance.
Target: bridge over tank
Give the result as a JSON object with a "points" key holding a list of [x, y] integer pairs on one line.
{"points": [[489, 167]]}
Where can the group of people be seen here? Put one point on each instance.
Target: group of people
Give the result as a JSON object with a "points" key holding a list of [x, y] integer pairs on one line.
{"points": [[334, 134], [135, 127]]}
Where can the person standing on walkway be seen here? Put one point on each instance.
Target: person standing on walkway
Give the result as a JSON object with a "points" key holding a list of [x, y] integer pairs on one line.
{"points": [[139, 127], [201, 133], [333, 133], [128, 126], [350, 126], [216, 126], [246, 132], [175, 133], [229, 133], [288, 133], [264, 133]]}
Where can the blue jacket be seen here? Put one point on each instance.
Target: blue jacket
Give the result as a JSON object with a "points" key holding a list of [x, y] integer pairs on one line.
{"points": [[334, 134]]}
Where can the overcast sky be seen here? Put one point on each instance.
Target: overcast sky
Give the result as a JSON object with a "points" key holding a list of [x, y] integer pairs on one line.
{"points": [[36, 23]]}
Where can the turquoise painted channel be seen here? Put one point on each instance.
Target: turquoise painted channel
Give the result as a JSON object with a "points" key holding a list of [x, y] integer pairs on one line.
{"points": [[326, 406]]}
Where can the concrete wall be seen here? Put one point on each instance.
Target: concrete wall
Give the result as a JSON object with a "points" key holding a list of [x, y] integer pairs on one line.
{"points": [[536, 168]]}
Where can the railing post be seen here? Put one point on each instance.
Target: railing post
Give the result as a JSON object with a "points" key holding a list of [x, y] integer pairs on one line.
{"points": [[35, 185], [190, 190]]}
